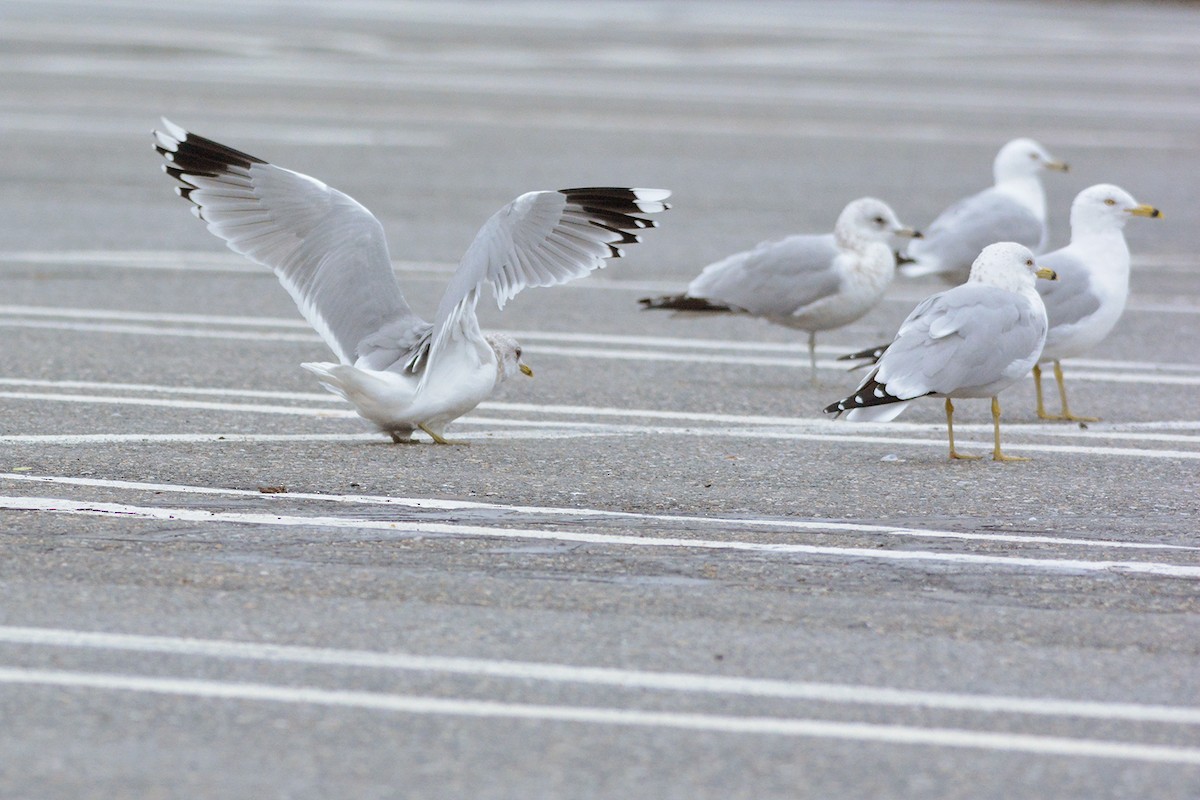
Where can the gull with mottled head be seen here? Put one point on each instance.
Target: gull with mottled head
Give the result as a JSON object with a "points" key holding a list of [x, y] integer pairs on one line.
{"points": [[808, 282], [397, 370]]}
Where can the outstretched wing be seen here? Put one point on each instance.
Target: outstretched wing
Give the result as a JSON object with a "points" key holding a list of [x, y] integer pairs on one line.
{"points": [[328, 251], [544, 239]]}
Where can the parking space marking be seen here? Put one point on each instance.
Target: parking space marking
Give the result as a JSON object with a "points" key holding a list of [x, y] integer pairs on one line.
{"points": [[57, 505], [776, 726], [681, 682], [671, 349], [554, 429], [437, 504]]}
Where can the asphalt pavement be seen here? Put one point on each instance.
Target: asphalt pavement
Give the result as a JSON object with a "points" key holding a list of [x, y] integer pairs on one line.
{"points": [[656, 570]]}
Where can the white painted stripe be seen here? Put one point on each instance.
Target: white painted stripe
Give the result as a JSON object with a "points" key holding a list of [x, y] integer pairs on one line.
{"points": [[178, 261], [840, 693], [198, 405], [546, 429], [1145, 431], [406, 527], [795, 349], [1149, 374], [823, 526], [575, 337], [147, 330], [1146, 378], [155, 388], [485, 709]]}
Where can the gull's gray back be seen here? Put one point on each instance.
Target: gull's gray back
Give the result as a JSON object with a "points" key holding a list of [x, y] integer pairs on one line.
{"points": [[775, 279], [1071, 298], [961, 232], [971, 340]]}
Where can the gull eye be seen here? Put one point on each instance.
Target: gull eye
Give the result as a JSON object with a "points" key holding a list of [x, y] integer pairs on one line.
{"points": [[518, 352], [1029, 262], [879, 220], [1108, 201]]}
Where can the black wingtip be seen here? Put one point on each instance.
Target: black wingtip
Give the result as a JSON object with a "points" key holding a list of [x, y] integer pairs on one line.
{"points": [[871, 354], [870, 393], [683, 302], [196, 155]]}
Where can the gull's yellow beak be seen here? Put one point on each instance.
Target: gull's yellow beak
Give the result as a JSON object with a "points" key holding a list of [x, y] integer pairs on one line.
{"points": [[910, 233], [1046, 273], [525, 370], [1058, 166], [1145, 211]]}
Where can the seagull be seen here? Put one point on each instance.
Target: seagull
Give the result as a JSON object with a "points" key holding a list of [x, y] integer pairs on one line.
{"points": [[1013, 210], [397, 370], [812, 282], [1089, 296], [973, 340]]}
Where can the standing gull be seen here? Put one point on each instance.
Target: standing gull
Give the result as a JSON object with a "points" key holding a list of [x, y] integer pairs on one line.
{"points": [[970, 341], [809, 282], [1012, 210], [1089, 296], [397, 370]]}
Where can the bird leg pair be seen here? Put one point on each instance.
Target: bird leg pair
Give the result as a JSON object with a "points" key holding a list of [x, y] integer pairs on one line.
{"points": [[996, 454], [438, 438], [1062, 395]]}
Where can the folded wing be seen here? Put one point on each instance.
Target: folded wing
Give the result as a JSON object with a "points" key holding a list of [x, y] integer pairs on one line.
{"points": [[780, 278]]}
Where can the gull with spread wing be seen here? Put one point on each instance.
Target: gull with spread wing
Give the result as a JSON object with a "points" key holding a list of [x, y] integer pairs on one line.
{"points": [[811, 282], [397, 370]]}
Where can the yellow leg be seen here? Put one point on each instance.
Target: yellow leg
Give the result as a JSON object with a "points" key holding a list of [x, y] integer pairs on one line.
{"points": [[996, 454], [950, 433], [1037, 387], [1062, 393], [812, 357], [438, 439]]}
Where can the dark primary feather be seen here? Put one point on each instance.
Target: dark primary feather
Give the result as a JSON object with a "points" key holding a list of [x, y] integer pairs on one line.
{"points": [[870, 393], [682, 302], [326, 249], [870, 355]]}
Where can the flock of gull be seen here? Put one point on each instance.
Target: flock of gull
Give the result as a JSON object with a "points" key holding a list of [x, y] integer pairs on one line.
{"points": [[1007, 312]]}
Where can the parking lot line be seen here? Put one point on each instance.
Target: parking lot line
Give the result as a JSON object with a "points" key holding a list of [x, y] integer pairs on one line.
{"points": [[681, 682], [774, 726], [122, 511], [437, 504]]}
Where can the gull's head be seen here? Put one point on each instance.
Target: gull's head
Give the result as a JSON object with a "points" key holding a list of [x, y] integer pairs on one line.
{"points": [[1008, 265], [1104, 207], [1021, 158], [508, 357], [872, 220]]}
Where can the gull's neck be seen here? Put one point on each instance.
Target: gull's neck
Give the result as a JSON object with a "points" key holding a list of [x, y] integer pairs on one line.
{"points": [[1026, 190]]}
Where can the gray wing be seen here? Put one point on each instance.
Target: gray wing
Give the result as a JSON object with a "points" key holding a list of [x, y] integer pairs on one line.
{"points": [[1072, 297], [543, 239], [959, 233], [778, 278], [328, 251], [969, 336]]}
